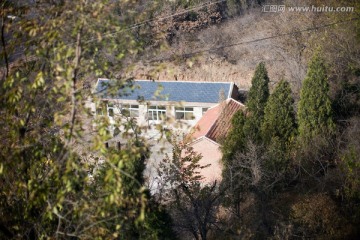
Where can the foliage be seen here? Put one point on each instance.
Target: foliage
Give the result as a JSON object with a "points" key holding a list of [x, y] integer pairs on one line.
{"points": [[279, 114], [260, 163], [258, 96], [235, 140], [278, 128], [191, 203], [48, 189], [234, 7], [314, 111], [317, 216], [158, 223], [187, 3], [234, 143], [183, 167], [245, 130], [350, 168]]}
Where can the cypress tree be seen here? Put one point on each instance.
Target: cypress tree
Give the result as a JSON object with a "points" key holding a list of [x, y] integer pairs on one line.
{"points": [[258, 96], [279, 114], [314, 111], [235, 140], [279, 127]]}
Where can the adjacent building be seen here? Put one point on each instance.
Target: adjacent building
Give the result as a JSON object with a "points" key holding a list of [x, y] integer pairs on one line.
{"points": [[153, 101], [208, 134]]}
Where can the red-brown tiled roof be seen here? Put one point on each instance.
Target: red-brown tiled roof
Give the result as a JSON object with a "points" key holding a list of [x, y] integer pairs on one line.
{"points": [[216, 122], [205, 123]]}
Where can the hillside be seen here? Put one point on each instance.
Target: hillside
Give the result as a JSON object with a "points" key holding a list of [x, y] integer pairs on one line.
{"points": [[240, 43]]}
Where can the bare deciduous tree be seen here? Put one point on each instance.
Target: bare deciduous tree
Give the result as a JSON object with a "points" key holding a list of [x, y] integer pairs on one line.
{"points": [[192, 204]]}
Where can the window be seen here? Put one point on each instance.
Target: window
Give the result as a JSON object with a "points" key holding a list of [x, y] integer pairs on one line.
{"points": [[118, 146], [204, 110], [184, 113], [111, 112], [130, 110], [101, 108], [99, 111], [110, 109], [156, 112]]}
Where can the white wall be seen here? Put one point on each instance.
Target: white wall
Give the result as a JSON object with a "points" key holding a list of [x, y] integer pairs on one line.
{"points": [[172, 123]]}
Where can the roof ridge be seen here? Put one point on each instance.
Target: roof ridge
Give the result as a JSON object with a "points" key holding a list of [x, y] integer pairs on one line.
{"points": [[145, 80], [236, 101], [187, 91], [228, 100], [204, 137], [153, 80], [215, 123]]}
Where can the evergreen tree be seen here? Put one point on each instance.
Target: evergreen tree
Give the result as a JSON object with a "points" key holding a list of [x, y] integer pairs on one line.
{"points": [[245, 127], [279, 115], [235, 140], [279, 127], [258, 96], [314, 112], [234, 143]]}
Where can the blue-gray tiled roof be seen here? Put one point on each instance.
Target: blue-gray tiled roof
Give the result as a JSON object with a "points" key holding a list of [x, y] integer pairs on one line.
{"points": [[206, 92]]}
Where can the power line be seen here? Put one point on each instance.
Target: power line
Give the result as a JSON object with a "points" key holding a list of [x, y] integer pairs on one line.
{"points": [[158, 19], [188, 55]]}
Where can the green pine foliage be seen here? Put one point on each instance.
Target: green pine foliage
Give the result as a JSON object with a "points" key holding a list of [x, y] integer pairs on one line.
{"points": [[258, 96], [158, 223], [314, 111], [235, 140], [279, 114], [279, 126], [234, 143], [246, 127]]}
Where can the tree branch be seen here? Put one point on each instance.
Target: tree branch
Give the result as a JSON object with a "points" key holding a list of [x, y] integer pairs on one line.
{"points": [[73, 83], [3, 43]]}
